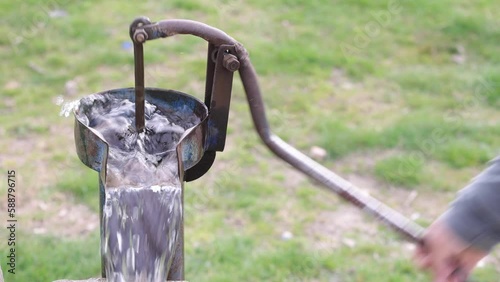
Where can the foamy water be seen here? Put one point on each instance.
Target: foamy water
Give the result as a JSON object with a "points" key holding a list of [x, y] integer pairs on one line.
{"points": [[142, 213], [140, 160]]}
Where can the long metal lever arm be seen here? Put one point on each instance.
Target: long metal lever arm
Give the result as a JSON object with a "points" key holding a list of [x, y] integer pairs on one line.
{"points": [[330, 180]]}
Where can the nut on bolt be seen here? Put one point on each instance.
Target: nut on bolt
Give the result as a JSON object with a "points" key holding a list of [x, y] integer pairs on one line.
{"points": [[230, 62], [140, 36]]}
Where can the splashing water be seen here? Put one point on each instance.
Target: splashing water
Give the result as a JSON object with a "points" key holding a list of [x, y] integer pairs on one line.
{"points": [[143, 197], [139, 160], [66, 107]]}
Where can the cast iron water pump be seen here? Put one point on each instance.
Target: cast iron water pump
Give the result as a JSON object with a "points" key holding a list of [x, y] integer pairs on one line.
{"points": [[196, 149]]}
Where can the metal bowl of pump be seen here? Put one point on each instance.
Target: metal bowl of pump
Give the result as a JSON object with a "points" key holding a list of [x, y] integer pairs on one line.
{"points": [[136, 174]]}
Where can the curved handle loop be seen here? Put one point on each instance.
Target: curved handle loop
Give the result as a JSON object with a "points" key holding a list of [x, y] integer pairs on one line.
{"points": [[140, 31]]}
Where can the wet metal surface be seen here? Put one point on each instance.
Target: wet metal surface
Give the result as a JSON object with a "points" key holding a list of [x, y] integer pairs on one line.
{"points": [[141, 226]]}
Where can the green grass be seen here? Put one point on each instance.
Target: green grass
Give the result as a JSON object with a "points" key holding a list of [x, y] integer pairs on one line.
{"points": [[221, 261], [407, 170], [396, 107], [46, 258], [464, 153], [423, 136], [340, 140], [83, 185]]}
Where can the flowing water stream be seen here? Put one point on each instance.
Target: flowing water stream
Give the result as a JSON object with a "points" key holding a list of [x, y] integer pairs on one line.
{"points": [[143, 198]]}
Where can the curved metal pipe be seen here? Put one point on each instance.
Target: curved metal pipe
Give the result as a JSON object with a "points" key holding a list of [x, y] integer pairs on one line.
{"points": [[168, 28], [142, 29], [330, 180]]}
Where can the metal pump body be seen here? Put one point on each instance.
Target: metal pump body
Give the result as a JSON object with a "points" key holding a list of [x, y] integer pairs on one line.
{"points": [[197, 149]]}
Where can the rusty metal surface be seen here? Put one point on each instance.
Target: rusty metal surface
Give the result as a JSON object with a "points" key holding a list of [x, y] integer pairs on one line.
{"points": [[139, 72], [139, 87], [220, 100], [167, 28], [90, 148]]}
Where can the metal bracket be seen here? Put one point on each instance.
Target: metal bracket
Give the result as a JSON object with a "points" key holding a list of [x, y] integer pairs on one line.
{"points": [[221, 63], [220, 96]]}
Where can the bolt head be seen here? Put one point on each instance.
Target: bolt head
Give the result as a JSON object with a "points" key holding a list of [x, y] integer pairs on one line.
{"points": [[140, 37], [230, 62]]}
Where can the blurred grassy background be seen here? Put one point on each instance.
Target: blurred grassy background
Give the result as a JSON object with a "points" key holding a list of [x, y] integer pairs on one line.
{"points": [[402, 95]]}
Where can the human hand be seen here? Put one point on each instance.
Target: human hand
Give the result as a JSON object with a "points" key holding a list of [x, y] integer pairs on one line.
{"points": [[447, 257]]}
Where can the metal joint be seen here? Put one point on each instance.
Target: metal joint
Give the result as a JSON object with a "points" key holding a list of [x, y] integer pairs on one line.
{"points": [[136, 29], [140, 36], [230, 62]]}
